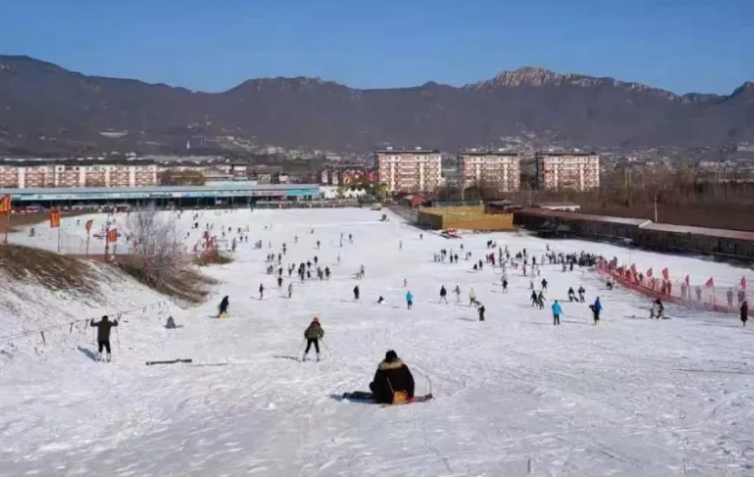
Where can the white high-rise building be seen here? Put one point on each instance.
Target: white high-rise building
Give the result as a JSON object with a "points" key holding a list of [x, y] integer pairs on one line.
{"points": [[410, 170], [499, 169], [568, 170]]}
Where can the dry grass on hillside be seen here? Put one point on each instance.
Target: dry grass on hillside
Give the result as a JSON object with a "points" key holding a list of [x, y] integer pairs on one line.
{"points": [[51, 270], [187, 285], [212, 258]]}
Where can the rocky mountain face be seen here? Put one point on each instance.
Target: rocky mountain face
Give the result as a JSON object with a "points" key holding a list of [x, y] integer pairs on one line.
{"points": [[42, 104]]}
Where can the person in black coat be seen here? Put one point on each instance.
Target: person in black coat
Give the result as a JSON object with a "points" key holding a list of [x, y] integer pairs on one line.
{"points": [[392, 376], [744, 312], [223, 308], [103, 334]]}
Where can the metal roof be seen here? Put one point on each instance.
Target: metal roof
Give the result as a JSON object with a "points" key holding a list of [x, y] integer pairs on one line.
{"points": [[231, 186], [685, 229], [584, 217]]}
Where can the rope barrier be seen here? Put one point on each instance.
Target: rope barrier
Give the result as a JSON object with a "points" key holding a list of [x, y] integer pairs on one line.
{"points": [[71, 324]]}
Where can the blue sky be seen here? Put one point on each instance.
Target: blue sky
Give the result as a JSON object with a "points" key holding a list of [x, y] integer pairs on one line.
{"points": [[212, 45]]}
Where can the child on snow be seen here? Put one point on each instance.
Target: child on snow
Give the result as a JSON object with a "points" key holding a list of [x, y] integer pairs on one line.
{"points": [[313, 334]]}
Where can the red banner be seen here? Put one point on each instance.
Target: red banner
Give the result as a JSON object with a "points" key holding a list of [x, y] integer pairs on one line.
{"points": [[88, 226], [112, 235], [55, 219], [5, 204]]}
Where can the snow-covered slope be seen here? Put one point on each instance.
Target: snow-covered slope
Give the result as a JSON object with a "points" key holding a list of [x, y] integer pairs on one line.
{"points": [[515, 395]]}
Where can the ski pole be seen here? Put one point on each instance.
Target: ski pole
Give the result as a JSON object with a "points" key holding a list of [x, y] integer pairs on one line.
{"points": [[117, 337]]}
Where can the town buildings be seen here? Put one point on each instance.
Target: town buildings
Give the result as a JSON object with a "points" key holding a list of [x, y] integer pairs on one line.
{"points": [[409, 170], [345, 175], [22, 175], [568, 170], [498, 171]]}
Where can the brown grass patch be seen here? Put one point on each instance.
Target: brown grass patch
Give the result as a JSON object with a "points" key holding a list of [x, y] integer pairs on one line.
{"points": [[51, 270], [188, 285], [212, 258]]}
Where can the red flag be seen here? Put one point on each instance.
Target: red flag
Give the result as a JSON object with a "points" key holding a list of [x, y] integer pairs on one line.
{"points": [[743, 283], [665, 273], [5, 204], [88, 226], [710, 282], [649, 272], [688, 281]]}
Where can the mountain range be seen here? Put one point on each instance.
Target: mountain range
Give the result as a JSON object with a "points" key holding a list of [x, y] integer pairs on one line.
{"points": [[43, 105]]}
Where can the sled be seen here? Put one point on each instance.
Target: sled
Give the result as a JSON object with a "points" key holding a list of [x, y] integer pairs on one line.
{"points": [[365, 397]]}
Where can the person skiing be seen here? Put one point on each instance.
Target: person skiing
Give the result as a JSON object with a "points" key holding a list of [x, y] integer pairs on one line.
{"points": [[505, 285], [544, 284], [596, 310], [571, 294], [443, 295], [313, 333], [103, 335], [534, 299], [481, 311], [656, 310], [261, 291], [557, 310], [744, 312], [472, 297], [290, 289], [409, 299], [356, 293], [581, 293], [280, 282], [223, 308], [457, 291], [393, 382]]}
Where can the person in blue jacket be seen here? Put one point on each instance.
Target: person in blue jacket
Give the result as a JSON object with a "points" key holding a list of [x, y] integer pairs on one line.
{"points": [[596, 309], [557, 310], [409, 299]]}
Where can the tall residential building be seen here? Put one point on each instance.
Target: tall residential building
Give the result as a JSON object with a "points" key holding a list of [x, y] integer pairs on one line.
{"points": [[568, 170], [497, 170], [410, 170], [77, 174]]}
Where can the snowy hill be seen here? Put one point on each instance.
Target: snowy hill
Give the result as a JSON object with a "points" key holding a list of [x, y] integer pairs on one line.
{"points": [[514, 395]]}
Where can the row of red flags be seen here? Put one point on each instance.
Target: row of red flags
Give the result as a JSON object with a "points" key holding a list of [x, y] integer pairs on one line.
{"points": [[666, 275]]}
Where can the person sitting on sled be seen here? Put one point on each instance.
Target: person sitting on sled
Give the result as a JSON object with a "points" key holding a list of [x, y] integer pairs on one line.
{"points": [[393, 382]]}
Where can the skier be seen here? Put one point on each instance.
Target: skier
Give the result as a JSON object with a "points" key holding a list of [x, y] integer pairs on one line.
{"points": [[557, 310], [656, 310], [409, 299], [290, 289], [223, 308], [534, 300], [581, 293], [261, 291], [472, 297], [457, 291], [280, 282], [544, 284], [596, 309], [744, 312], [571, 294], [103, 335], [505, 285], [313, 334], [443, 295], [393, 382], [356, 293], [481, 311], [380, 300]]}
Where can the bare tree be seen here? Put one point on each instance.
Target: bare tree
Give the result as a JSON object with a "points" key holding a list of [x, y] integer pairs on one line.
{"points": [[158, 252]]}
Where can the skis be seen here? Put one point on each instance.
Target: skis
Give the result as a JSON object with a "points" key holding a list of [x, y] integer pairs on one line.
{"points": [[171, 361]]}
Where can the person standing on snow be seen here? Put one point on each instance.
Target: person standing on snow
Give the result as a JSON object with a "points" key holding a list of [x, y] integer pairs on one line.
{"points": [[544, 284], [393, 382], [313, 334], [356, 293], [481, 311], [472, 297], [103, 334], [596, 310], [744, 312], [443, 295], [557, 310], [657, 310], [457, 291], [581, 293], [261, 291], [290, 289], [409, 299], [223, 308]]}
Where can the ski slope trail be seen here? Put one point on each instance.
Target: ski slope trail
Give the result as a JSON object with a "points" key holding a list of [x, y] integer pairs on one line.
{"points": [[514, 395]]}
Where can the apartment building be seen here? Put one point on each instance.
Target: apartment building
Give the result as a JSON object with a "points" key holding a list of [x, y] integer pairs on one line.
{"points": [[497, 170], [568, 170], [77, 174], [409, 170]]}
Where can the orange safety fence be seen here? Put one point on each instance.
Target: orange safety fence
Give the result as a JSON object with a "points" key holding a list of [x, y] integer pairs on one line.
{"points": [[681, 292]]}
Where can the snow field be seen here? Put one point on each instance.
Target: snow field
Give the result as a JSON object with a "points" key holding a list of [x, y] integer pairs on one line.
{"points": [[514, 395]]}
